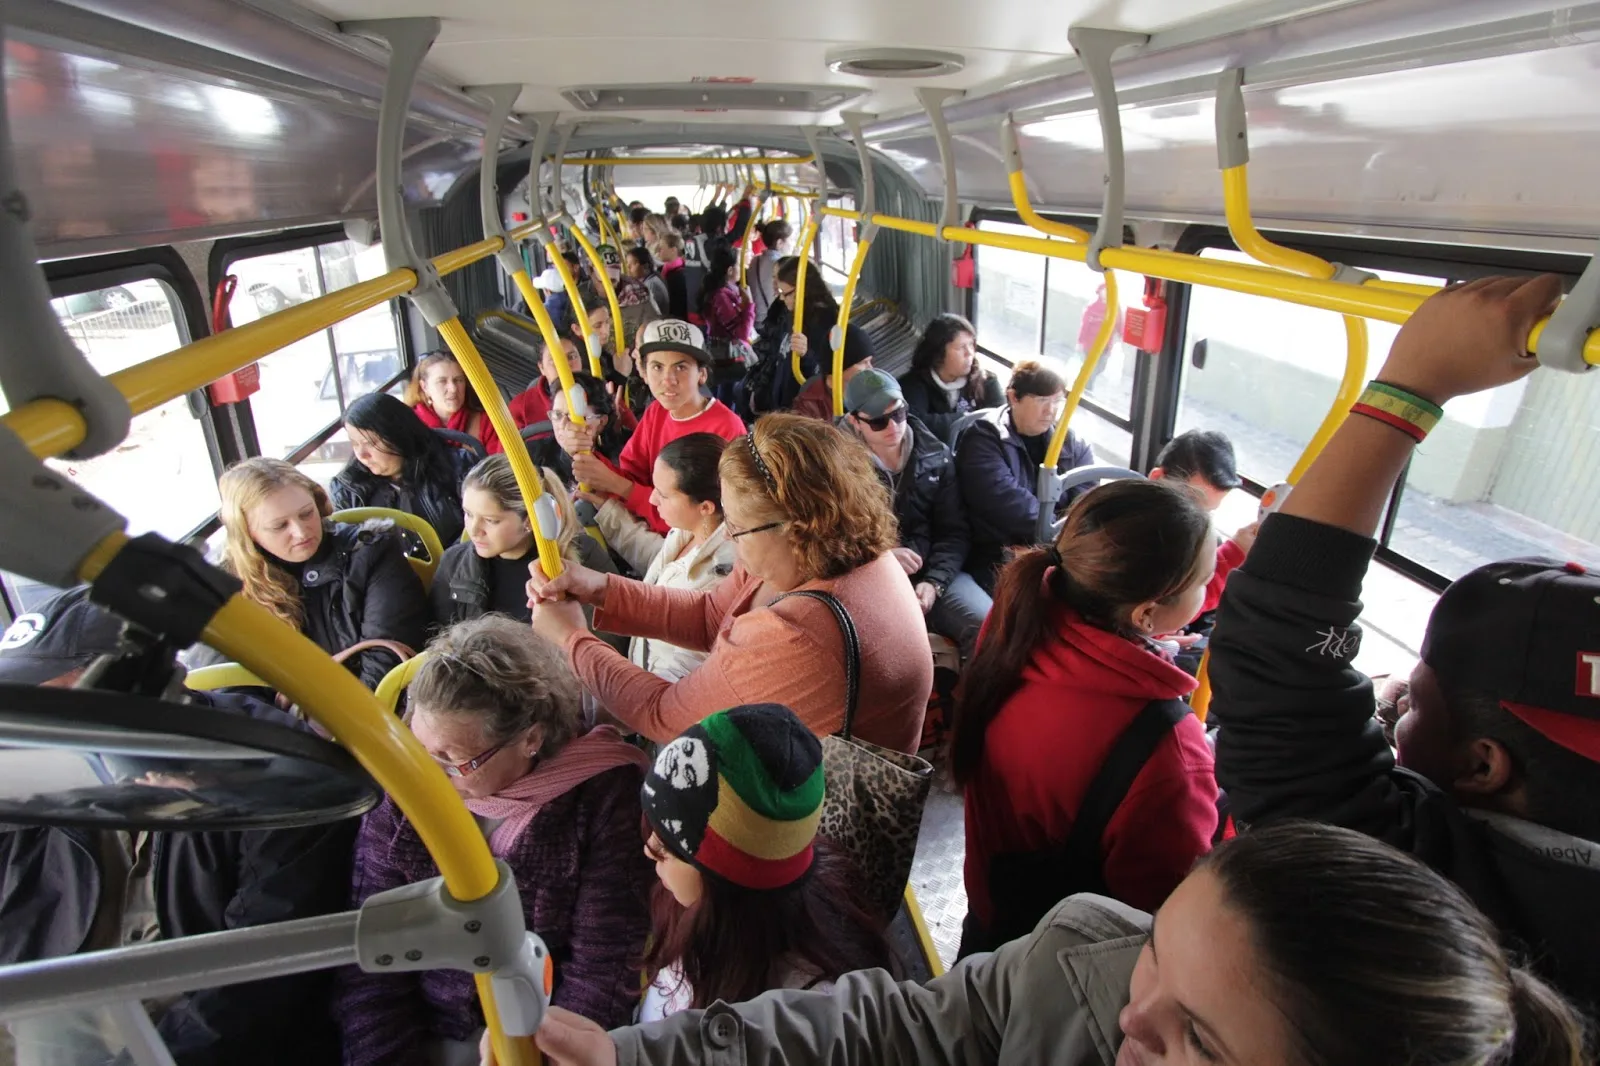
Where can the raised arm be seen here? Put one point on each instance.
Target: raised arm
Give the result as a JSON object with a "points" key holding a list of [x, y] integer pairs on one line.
{"points": [[1298, 737]]}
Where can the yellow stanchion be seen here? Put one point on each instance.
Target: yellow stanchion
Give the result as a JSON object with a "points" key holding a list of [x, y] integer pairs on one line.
{"points": [[1102, 337], [570, 283], [744, 243], [494, 405], [610, 291], [803, 253], [863, 246]]}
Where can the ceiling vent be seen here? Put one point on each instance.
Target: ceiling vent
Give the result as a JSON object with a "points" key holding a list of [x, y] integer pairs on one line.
{"points": [[895, 62], [711, 96]]}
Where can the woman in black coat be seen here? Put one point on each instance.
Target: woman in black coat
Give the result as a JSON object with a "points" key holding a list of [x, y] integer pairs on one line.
{"points": [[401, 464], [946, 381]]}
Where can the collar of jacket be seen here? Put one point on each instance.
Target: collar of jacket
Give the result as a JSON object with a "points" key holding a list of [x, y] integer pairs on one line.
{"points": [[347, 539]]}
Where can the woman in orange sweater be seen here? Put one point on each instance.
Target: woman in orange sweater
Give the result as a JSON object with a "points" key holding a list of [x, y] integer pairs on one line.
{"points": [[806, 514]]}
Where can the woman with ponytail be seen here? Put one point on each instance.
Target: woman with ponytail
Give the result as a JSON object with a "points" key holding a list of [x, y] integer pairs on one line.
{"points": [[1070, 713]]}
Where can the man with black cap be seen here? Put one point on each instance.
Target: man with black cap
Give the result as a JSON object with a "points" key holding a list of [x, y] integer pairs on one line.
{"points": [[676, 367], [66, 891], [919, 470], [1497, 782], [816, 396]]}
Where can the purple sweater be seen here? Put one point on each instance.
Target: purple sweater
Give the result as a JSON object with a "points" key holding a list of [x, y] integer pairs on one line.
{"points": [[584, 881]]}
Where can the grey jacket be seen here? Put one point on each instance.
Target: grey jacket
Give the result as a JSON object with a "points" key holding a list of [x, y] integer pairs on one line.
{"points": [[1052, 997]]}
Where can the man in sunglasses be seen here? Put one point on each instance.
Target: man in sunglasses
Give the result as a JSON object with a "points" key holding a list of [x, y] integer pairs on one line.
{"points": [[920, 472]]}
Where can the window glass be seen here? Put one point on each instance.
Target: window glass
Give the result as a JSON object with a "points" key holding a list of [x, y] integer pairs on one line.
{"points": [[1074, 312], [303, 386], [836, 237], [160, 477], [1010, 299]]}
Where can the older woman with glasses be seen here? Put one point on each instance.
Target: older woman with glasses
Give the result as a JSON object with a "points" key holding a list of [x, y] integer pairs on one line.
{"points": [[500, 712], [810, 521]]}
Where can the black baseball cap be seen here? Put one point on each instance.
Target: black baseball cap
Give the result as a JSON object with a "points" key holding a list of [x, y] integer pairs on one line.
{"points": [[1527, 632], [66, 633]]}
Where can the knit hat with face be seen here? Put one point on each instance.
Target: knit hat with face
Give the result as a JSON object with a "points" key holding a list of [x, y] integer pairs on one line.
{"points": [[740, 796]]}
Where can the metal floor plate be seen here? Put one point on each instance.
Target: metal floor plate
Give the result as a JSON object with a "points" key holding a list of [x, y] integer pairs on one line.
{"points": [[936, 874]]}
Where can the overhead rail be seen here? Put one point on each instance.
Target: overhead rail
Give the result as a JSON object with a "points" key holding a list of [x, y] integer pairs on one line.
{"points": [[54, 532], [689, 161]]}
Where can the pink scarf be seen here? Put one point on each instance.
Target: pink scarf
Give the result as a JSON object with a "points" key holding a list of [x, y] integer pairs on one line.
{"points": [[599, 750]]}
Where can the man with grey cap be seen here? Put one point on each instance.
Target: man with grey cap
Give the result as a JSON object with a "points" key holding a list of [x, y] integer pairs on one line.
{"points": [[64, 891], [919, 471]]}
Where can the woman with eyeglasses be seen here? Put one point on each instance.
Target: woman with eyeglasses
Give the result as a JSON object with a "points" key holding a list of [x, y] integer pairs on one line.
{"points": [[500, 712], [806, 514]]}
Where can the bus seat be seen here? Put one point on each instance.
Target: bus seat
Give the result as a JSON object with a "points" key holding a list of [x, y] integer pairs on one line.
{"points": [[465, 441], [535, 430], [396, 680], [405, 520], [961, 425], [946, 655], [222, 675]]}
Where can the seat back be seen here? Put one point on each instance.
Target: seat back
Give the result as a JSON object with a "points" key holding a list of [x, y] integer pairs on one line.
{"points": [[396, 680], [405, 520]]}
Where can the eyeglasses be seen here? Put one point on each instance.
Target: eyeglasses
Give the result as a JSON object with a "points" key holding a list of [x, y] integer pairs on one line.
{"points": [[472, 765], [881, 423], [746, 532]]}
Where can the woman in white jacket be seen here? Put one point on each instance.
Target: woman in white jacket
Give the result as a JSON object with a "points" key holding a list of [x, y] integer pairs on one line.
{"points": [[695, 554]]}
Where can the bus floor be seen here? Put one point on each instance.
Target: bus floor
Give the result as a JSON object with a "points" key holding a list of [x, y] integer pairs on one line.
{"points": [[937, 871]]}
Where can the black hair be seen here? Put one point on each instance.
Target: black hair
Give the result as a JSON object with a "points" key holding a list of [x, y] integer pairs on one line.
{"points": [[1372, 957], [775, 232], [601, 403], [693, 459], [425, 457], [681, 222], [714, 221], [717, 275], [642, 256], [1204, 452], [929, 352], [638, 215], [1554, 779]]}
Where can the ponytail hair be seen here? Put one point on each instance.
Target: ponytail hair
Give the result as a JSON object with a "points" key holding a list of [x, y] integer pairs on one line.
{"points": [[1373, 957], [1124, 544]]}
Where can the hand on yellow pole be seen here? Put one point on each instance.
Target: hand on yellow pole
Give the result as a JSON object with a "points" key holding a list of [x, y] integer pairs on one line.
{"points": [[803, 271]]}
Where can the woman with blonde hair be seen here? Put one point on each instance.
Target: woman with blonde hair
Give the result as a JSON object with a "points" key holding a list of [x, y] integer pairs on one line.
{"points": [[443, 398], [810, 521], [489, 570], [500, 713], [339, 584]]}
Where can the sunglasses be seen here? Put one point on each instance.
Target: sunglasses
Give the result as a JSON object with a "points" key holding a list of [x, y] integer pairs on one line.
{"points": [[881, 423]]}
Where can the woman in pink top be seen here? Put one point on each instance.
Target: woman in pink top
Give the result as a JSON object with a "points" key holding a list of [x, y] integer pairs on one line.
{"points": [[805, 512]]}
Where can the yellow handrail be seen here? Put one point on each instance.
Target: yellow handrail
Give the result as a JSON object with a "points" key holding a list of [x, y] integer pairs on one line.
{"points": [[395, 681], [802, 271], [863, 245], [744, 241], [610, 292], [570, 282], [1102, 337], [685, 160]]}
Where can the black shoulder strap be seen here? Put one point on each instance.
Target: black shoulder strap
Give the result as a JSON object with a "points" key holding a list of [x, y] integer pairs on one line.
{"points": [[1110, 786], [852, 651]]}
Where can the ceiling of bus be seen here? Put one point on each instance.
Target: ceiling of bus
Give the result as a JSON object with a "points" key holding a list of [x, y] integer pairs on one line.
{"points": [[550, 46]]}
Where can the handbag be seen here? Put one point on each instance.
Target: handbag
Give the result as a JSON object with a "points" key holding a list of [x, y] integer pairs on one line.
{"points": [[873, 808]]}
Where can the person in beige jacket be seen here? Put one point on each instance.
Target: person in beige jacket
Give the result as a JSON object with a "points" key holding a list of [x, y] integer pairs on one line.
{"points": [[1294, 945], [694, 554]]}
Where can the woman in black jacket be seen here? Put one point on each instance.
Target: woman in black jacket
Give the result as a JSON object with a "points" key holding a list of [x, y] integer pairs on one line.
{"points": [[946, 380], [339, 584], [813, 338], [401, 464]]}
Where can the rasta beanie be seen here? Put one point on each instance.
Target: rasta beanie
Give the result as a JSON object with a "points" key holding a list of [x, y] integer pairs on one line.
{"points": [[740, 796]]}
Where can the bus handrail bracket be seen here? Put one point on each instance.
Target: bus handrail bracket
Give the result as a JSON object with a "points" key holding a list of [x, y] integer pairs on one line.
{"points": [[1561, 343], [932, 101], [1095, 48]]}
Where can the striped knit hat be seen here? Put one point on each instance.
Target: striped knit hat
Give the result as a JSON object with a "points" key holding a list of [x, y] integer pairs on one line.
{"points": [[740, 795]]}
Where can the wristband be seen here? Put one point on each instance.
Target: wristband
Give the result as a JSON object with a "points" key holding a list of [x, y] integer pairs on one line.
{"points": [[1393, 406]]}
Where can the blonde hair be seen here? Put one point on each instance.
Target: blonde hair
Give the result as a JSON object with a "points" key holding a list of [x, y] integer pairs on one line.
{"points": [[821, 484], [242, 487], [495, 476]]}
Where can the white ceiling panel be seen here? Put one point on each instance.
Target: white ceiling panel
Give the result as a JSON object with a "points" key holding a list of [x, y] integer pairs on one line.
{"points": [[549, 46]]}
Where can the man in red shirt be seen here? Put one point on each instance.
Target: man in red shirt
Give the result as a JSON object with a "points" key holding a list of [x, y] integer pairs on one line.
{"points": [[676, 366]]}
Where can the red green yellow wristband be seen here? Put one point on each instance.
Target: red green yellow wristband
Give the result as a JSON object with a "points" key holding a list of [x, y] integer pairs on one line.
{"points": [[1403, 410]]}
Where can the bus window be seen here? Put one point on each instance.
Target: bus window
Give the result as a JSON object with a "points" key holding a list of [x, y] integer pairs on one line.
{"points": [[836, 243], [307, 385], [117, 327], [1010, 298]]}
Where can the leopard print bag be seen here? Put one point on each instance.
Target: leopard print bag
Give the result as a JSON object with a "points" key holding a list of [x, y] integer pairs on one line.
{"points": [[873, 809]]}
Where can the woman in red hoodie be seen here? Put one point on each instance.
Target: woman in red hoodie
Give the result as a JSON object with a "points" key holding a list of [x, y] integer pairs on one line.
{"points": [[1084, 770]]}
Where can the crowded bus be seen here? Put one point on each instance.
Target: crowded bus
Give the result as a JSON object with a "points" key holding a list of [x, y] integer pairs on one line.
{"points": [[617, 534]]}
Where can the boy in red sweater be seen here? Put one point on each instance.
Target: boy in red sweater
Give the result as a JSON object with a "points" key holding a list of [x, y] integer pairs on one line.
{"points": [[533, 403], [676, 366]]}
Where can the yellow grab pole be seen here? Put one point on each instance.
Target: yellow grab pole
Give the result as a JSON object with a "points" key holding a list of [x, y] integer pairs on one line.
{"points": [[570, 283], [744, 242], [552, 340], [802, 272], [1102, 337], [1236, 201], [611, 298], [863, 245]]}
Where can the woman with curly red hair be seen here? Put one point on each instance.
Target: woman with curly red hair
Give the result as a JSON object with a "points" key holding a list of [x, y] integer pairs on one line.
{"points": [[806, 514]]}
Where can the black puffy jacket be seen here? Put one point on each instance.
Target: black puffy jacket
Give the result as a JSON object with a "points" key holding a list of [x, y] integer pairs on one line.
{"points": [[927, 501], [933, 405], [437, 503], [359, 587], [205, 882]]}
